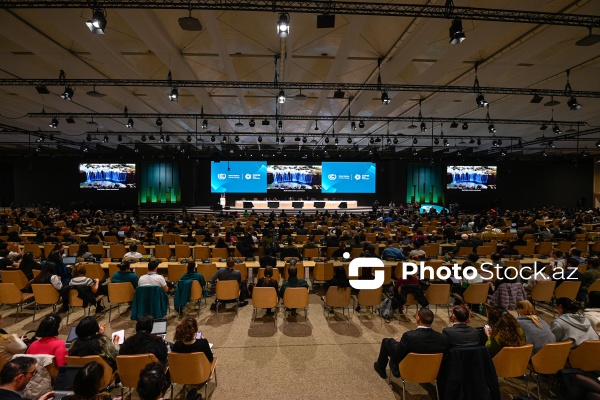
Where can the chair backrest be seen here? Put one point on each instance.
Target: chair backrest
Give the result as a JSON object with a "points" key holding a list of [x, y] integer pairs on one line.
{"points": [[83, 361], [295, 297], [438, 294], [201, 252], [484, 251], [337, 297], [175, 271], [276, 274], [227, 290], [182, 251], [44, 293], [96, 249], [512, 362], [120, 292], [564, 246], [74, 301], [48, 247], [117, 251], [94, 271], [129, 367], [264, 297], [33, 248], [369, 297], [476, 293], [140, 270], [10, 294], [243, 270], [220, 252], [420, 368], [586, 356], [434, 264], [311, 252], [112, 268], [552, 357], [299, 267], [207, 270], [543, 291], [195, 291], [567, 289], [464, 251], [162, 251], [189, 368], [17, 277], [328, 252], [355, 252], [543, 248], [323, 271], [594, 287]]}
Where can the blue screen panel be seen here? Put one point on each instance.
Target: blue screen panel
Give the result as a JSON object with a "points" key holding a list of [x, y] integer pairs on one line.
{"points": [[238, 177], [348, 177]]}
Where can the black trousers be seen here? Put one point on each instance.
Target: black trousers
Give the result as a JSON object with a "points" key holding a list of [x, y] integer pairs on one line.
{"points": [[401, 297], [389, 349]]}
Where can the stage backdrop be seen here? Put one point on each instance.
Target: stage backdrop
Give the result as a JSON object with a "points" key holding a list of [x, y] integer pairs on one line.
{"points": [[424, 183], [159, 183]]}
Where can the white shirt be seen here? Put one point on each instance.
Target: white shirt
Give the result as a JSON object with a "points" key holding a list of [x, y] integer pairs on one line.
{"points": [[132, 254], [152, 279]]}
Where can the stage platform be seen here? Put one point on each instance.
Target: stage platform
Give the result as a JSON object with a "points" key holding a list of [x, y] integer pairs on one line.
{"points": [[290, 211], [296, 204]]}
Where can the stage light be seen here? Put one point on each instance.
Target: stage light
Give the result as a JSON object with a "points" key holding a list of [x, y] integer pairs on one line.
{"points": [[480, 100], [336, 141], [159, 121], [372, 140], [252, 123], [237, 138], [168, 138], [174, 95], [361, 124], [503, 153], [259, 139], [395, 140], [189, 138], [349, 140], [316, 125], [415, 141], [551, 144], [385, 99], [41, 138], [85, 149], [162, 138], [552, 102], [598, 144], [414, 152], [423, 127], [352, 126], [543, 127], [491, 128], [304, 139], [283, 26], [204, 124], [454, 124], [129, 123], [326, 140], [280, 125], [224, 139], [457, 36], [436, 141], [573, 104], [281, 97], [151, 137], [88, 137], [54, 123], [544, 153], [472, 141], [212, 138], [71, 120], [97, 24], [68, 93], [239, 124], [465, 126], [478, 142], [143, 138], [556, 129], [120, 138], [446, 144], [105, 140], [42, 89]]}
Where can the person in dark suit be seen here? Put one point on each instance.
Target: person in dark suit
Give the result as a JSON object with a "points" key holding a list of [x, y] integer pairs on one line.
{"points": [[423, 340], [289, 251], [461, 334]]}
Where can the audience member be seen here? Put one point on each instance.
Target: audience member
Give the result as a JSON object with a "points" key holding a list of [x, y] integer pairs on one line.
{"points": [[132, 254], [88, 383], [143, 341], [152, 278], [229, 274], [592, 312], [48, 342], [91, 340], [15, 376], [570, 325], [537, 331], [422, 340], [502, 331], [48, 276], [460, 334], [153, 383], [125, 274], [189, 340]]}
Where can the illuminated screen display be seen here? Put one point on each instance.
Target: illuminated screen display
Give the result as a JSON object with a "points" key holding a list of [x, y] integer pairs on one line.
{"points": [[471, 178], [96, 176], [294, 178], [348, 177], [238, 177]]}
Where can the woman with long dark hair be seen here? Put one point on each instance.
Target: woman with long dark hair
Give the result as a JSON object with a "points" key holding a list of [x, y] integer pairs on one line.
{"points": [[503, 330], [28, 264], [48, 275], [91, 340], [87, 383]]}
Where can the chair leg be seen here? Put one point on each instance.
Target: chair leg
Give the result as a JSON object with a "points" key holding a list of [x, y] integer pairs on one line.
{"points": [[437, 392], [526, 384], [35, 308], [537, 377], [403, 389], [109, 315], [172, 389]]}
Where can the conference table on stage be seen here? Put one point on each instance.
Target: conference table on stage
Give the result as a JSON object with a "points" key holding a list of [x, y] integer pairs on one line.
{"points": [[329, 204]]}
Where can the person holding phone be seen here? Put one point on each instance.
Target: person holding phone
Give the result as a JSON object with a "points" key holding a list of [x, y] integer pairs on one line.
{"points": [[189, 340]]}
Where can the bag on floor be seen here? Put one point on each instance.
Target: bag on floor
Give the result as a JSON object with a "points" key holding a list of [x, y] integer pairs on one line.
{"points": [[385, 308]]}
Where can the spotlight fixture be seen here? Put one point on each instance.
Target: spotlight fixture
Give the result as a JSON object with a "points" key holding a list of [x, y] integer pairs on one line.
{"points": [[326, 140], [551, 144], [446, 143], [282, 139], [480, 100], [388, 141], [129, 123], [361, 124], [252, 123], [265, 122], [239, 124], [349, 140], [162, 138], [472, 141], [204, 124], [120, 138], [68, 93], [457, 36], [304, 139], [352, 126], [584, 153], [415, 141], [556, 129], [259, 139], [105, 140], [598, 144], [71, 120], [174, 95], [544, 153], [97, 24], [159, 121], [190, 23], [338, 94], [372, 140], [276, 139], [543, 127], [423, 127], [573, 104], [465, 126], [395, 140], [436, 141], [478, 142], [412, 125], [41, 138], [54, 123], [385, 99], [143, 138], [520, 143], [316, 125], [280, 124], [336, 141], [212, 138], [491, 128], [151, 137], [297, 139], [283, 26], [281, 97], [85, 149], [224, 139], [189, 138], [88, 137], [414, 152], [536, 99], [503, 153], [168, 138], [236, 138], [552, 102], [454, 124]]}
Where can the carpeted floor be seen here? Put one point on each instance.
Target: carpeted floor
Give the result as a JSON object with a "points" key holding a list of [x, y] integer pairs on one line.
{"points": [[294, 360]]}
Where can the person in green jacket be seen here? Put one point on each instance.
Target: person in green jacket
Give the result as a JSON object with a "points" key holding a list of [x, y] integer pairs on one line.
{"points": [[125, 274], [503, 330], [192, 274]]}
